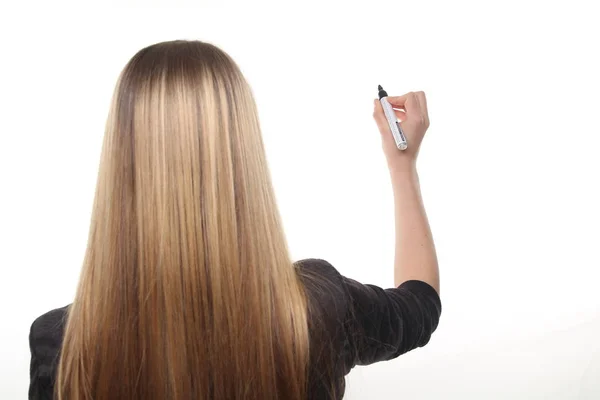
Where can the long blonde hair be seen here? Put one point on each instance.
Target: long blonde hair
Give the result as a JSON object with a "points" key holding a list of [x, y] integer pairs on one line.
{"points": [[187, 289]]}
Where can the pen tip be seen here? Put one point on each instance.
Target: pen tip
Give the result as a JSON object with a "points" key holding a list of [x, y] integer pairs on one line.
{"points": [[379, 87]]}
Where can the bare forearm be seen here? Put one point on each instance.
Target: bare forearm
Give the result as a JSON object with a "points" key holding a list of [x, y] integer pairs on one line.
{"points": [[415, 256]]}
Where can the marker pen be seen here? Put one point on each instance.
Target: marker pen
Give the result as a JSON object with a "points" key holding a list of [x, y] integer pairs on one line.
{"points": [[393, 122]]}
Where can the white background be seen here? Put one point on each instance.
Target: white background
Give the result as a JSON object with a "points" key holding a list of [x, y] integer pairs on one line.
{"points": [[509, 168]]}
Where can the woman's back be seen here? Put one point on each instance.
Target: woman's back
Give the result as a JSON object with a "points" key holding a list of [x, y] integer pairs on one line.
{"points": [[187, 289]]}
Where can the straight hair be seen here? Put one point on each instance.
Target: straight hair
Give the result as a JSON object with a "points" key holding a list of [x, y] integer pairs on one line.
{"points": [[187, 289]]}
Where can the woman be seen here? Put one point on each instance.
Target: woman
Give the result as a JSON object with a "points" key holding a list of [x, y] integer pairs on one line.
{"points": [[187, 289]]}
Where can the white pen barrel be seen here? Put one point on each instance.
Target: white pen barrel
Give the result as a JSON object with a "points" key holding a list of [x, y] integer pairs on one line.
{"points": [[393, 123]]}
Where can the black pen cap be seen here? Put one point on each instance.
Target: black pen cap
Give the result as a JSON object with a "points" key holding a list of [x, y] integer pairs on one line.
{"points": [[382, 93]]}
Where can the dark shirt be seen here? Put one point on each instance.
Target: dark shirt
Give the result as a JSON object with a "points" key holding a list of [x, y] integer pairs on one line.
{"points": [[350, 324]]}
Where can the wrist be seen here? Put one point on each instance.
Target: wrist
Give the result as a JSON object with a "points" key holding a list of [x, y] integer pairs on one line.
{"points": [[403, 167]]}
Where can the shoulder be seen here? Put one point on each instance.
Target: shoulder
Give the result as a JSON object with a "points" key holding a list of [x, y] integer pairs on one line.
{"points": [[47, 330], [45, 341], [316, 266], [328, 308], [325, 289], [319, 275]]}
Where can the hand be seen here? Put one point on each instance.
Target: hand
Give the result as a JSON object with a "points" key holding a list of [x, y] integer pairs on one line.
{"points": [[411, 110]]}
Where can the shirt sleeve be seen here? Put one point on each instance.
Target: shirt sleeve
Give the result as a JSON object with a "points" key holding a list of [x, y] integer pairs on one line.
{"points": [[384, 323], [40, 387], [45, 336]]}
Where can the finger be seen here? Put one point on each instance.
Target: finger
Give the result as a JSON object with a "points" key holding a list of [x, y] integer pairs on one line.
{"points": [[382, 125], [379, 117], [408, 101], [401, 115], [398, 101]]}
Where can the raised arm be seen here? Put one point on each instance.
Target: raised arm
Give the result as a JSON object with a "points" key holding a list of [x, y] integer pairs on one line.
{"points": [[415, 256]]}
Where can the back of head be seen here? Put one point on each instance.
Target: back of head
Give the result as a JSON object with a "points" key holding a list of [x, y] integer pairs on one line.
{"points": [[187, 290]]}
